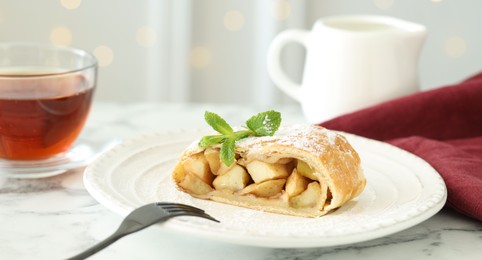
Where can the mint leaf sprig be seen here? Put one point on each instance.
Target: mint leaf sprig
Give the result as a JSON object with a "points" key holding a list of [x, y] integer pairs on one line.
{"points": [[263, 124]]}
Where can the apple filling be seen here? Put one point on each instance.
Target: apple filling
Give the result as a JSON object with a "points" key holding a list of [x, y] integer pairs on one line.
{"points": [[288, 179]]}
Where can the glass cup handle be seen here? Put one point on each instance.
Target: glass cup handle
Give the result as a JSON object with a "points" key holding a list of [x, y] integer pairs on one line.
{"points": [[276, 72]]}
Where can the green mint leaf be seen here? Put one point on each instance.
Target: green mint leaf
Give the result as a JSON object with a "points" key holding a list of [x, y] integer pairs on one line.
{"points": [[264, 123], [211, 140], [227, 153], [218, 123]]}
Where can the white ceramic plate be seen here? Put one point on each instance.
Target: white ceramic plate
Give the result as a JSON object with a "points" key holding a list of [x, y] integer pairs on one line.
{"points": [[402, 191]]}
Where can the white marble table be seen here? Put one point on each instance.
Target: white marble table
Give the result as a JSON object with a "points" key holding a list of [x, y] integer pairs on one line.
{"points": [[55, 217]]}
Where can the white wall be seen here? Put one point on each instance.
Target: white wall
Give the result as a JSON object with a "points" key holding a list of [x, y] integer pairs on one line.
{"points": [[93, 24], [215, 50]]}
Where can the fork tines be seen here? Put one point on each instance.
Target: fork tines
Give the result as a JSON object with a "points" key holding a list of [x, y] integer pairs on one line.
{"points": [[183, 209]]}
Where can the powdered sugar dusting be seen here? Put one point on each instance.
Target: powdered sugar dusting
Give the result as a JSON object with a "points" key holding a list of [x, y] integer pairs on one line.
{"points": [[312, 138], [331, 137], [268, 123]]}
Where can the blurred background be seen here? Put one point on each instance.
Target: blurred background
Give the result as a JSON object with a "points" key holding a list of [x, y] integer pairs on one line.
{"points": [[215, 50]]}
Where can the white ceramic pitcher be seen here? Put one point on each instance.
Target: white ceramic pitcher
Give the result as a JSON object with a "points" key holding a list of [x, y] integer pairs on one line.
{"points": [[351, 62]]}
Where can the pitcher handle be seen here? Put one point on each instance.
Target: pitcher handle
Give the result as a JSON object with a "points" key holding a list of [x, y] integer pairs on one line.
{"points": [[276, 72]]}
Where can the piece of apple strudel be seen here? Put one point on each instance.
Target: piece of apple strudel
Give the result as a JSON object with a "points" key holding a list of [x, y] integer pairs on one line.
{"points": [[301, 170]]}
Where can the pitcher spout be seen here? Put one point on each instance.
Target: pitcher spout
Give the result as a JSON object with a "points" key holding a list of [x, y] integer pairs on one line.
{"points": [[414, 33], [415, 39]]}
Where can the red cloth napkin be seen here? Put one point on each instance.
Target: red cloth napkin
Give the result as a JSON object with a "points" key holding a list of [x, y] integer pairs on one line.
{"points": [[443, 126]]}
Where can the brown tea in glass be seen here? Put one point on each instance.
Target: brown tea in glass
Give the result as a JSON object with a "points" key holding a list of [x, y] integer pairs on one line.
{"points": [[45, 97]]}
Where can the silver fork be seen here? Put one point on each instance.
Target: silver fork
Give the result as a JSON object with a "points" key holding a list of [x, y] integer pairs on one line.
{"points": [[143, 217]]}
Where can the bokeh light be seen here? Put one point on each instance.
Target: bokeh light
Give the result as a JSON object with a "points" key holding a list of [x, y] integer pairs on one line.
{"points": [[70, 4], [146, 36], [61, 35], [383, 4], [281, 10], [455, 47], [200, 57], [233, 20], [104, 55]]}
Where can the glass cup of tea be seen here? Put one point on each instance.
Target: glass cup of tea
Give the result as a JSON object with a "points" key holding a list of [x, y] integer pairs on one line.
{"points": [[46, 93]]}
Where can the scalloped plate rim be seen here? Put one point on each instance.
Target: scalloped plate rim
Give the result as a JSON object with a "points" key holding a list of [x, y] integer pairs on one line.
{"points": [[94, 187]]}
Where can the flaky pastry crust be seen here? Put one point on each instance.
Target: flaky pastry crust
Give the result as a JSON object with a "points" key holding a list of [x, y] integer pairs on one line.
{"points": [[333, 161]]}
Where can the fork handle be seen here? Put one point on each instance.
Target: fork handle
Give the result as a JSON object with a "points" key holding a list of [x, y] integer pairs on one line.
{"points": [[97, 247]]}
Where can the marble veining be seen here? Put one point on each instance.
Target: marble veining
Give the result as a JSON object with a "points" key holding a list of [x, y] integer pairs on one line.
{"points": [[55, 217]]}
